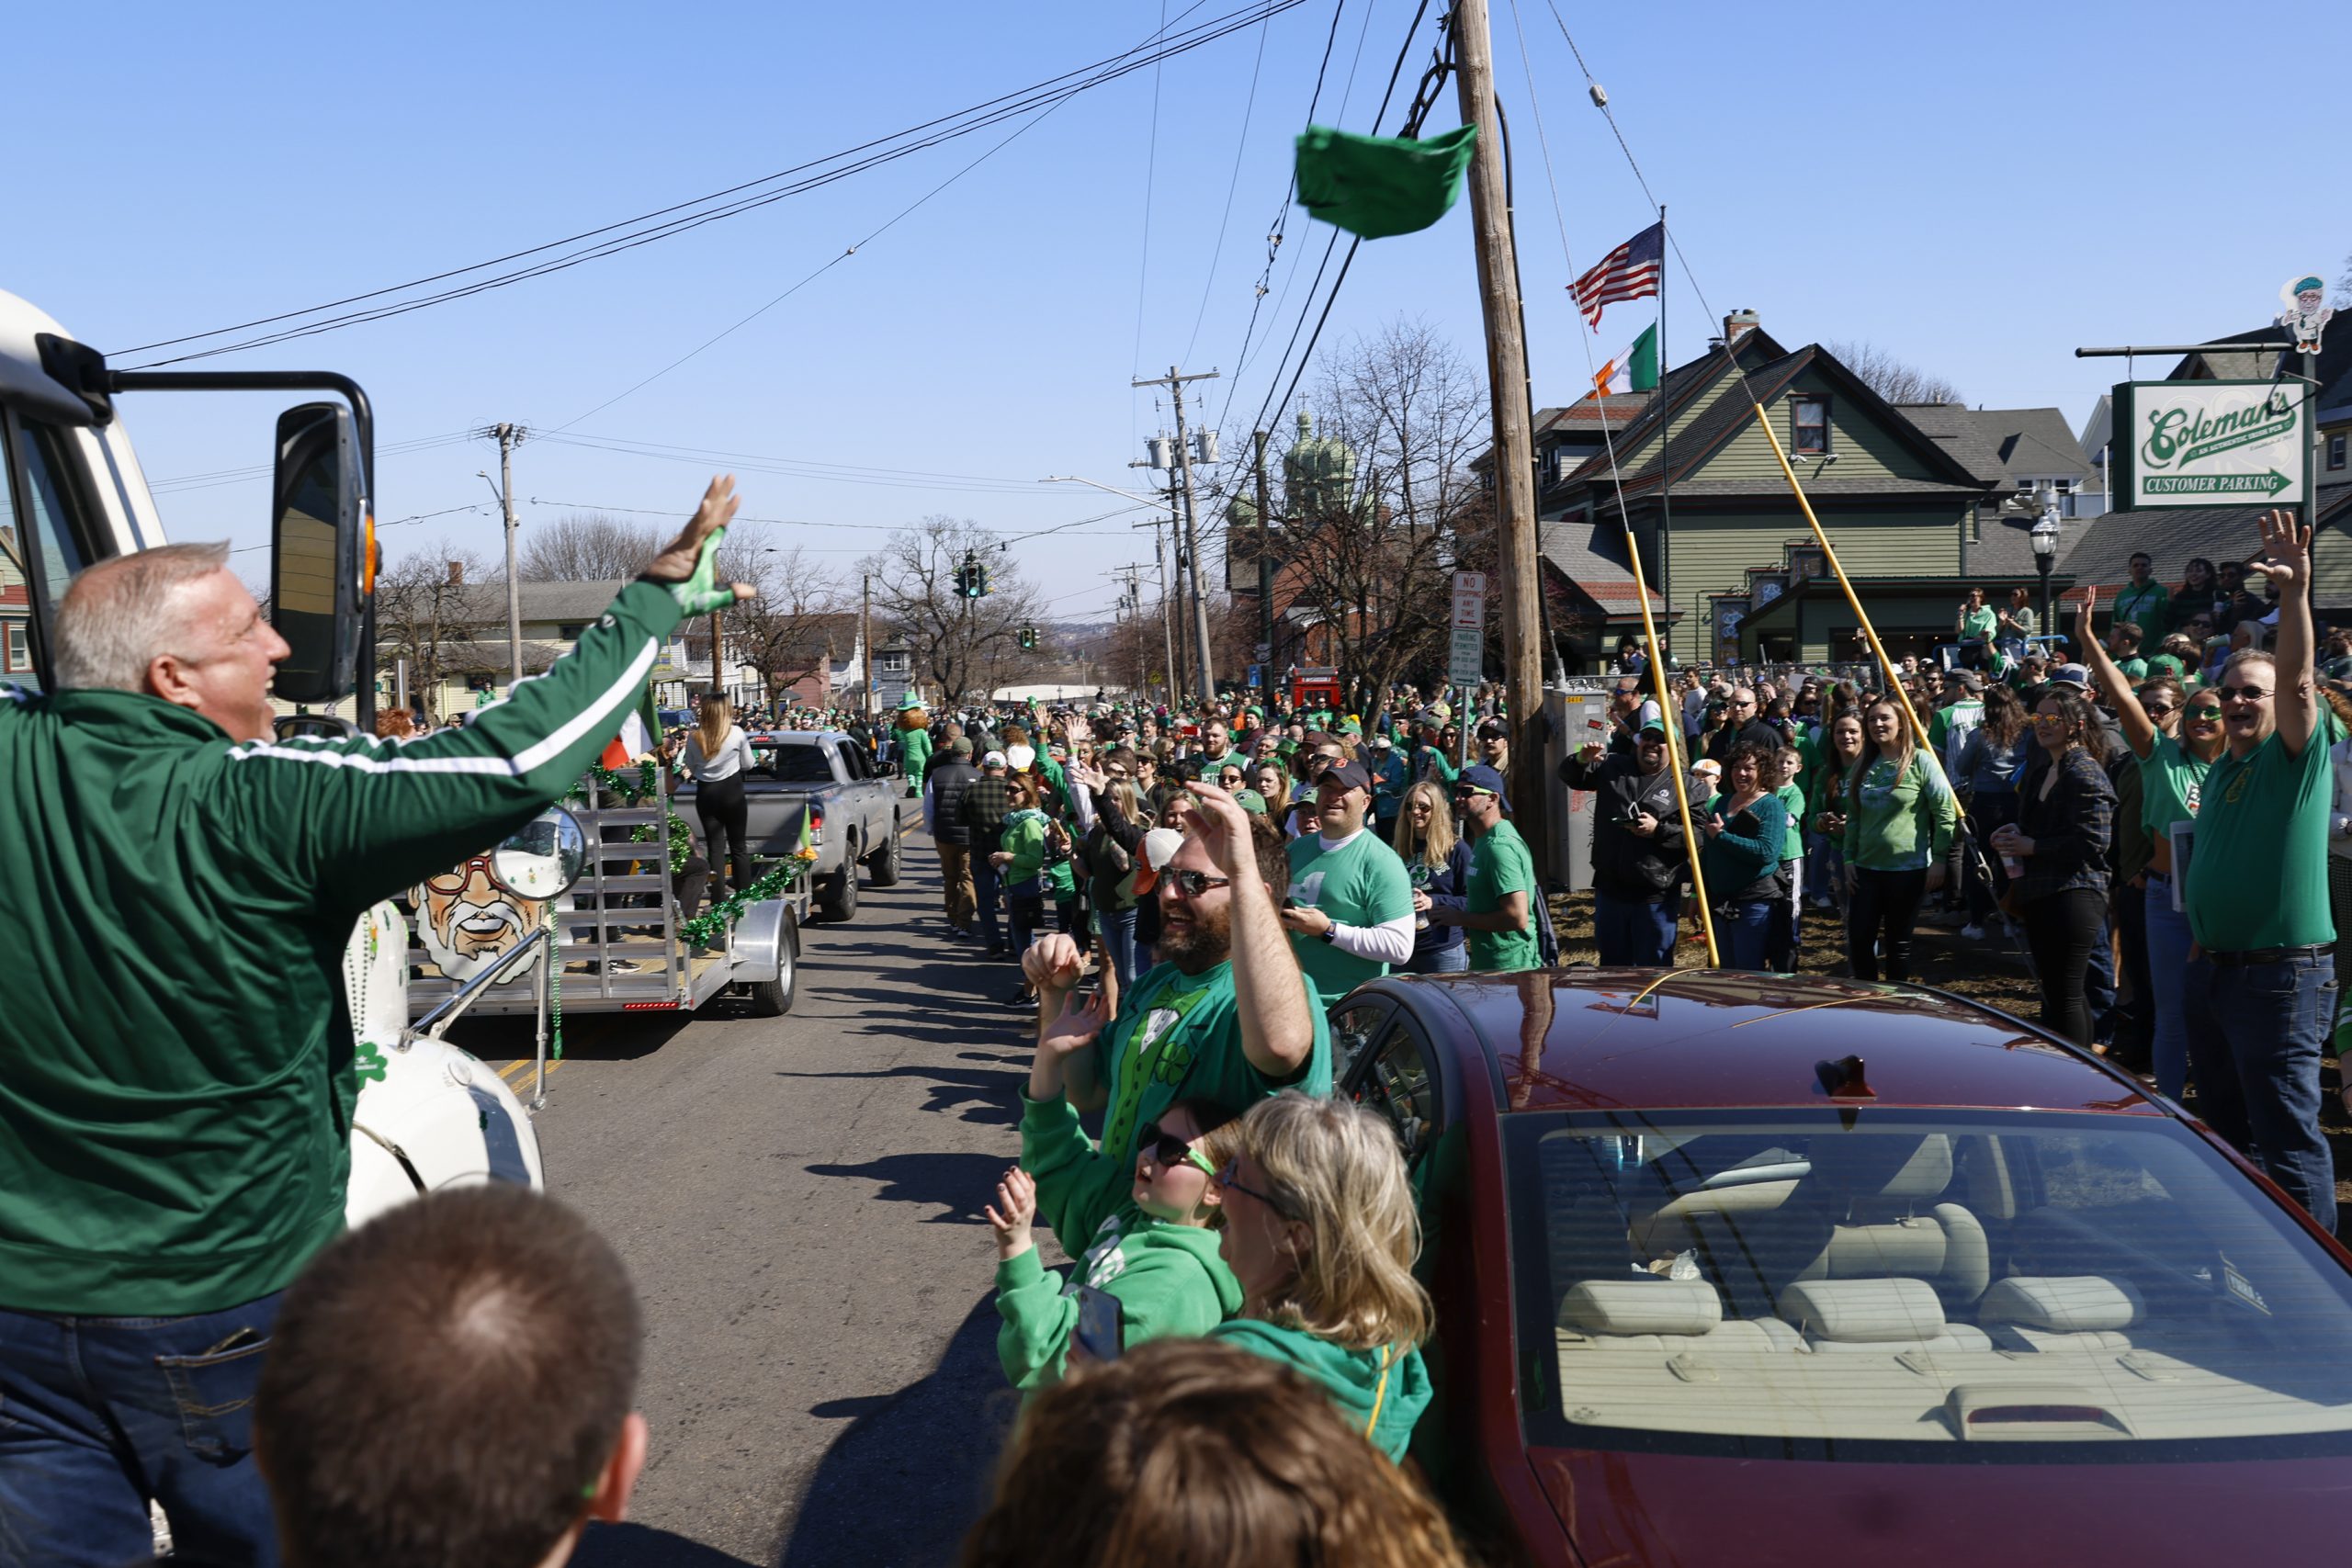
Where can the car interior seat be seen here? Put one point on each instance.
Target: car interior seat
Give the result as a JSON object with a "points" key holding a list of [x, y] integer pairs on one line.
{"points": [[1869, 1208]]}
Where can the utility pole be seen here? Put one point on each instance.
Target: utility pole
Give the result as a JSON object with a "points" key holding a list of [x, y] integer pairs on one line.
{"points": [[865, 639], [1131, 606], [509, 437], [1265, 569], [1174, 381], [1513, 454]]}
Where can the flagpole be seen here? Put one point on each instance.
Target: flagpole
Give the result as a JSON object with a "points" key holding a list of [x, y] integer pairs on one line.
{"points": [[1666, 474]]}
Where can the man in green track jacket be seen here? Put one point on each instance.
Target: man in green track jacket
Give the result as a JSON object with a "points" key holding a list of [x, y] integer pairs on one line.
{"points": [[176, 892]]}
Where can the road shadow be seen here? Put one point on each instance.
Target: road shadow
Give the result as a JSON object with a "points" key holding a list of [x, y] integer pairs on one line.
{"points": [[958, 1184], [590, 1037], [642, 1546], [908, 1478], [971, 1094]]}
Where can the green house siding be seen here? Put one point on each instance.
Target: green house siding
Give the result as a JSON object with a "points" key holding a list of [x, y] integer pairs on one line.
{"points": [[1863, 449], [1712, 550]]}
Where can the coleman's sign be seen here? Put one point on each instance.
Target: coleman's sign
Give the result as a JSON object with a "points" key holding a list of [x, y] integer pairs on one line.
{"points": [[2210, 444]]}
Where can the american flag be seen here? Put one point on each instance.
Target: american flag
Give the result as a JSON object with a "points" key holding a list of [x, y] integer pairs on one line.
{"points": [[1631, 271]]}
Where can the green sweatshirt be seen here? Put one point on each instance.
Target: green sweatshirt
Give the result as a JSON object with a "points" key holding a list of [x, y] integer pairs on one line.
{"points": [[1380, 1393], [1025, 836], [1902, 819], [176, 1052], [1167, 1277]]}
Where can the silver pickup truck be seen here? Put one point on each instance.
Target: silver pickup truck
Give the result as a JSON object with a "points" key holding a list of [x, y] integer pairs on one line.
{"points": [[856, 811]]}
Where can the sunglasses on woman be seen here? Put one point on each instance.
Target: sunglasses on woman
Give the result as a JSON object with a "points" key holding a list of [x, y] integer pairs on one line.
{"points": [[2210, 712], [1231, 1180], [1168, 1149]]}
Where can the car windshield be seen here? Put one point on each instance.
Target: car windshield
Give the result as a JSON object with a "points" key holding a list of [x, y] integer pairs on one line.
{"points": [[793, 764], [2002, 1287]]}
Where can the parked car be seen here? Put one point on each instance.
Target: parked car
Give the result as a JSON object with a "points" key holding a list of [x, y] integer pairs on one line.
{"points": [[853, 813], [1774, 1270]]}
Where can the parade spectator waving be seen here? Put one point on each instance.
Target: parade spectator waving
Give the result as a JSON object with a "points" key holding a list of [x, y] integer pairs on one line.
{"points": [[1499, 911], [1350, 913], [2261, 981], [2173, 768], [1224, 1016], [1638, 859], [1900, 817]]}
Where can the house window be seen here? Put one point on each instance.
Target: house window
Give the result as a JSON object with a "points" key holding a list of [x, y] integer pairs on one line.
{"points": [[2335, 451], [571, 631], [1810, 418], [19, 653]]}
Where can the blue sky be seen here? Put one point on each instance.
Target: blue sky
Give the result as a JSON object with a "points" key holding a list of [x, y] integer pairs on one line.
{"points": [[1978, 189]]}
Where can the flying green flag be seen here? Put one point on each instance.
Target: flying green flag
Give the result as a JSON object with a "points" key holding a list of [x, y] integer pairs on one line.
{"points": [[1378, 186]]}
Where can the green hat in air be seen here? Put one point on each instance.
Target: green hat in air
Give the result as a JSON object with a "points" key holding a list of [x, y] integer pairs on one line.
{"points": [[1378, 186]]}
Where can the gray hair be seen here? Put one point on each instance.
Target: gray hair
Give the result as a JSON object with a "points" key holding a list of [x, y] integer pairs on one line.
{"points": [[119, 616]]}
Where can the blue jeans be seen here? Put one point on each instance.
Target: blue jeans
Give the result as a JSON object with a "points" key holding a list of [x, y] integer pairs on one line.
{"points": [[2254, 1035], [1117, 929], [2168, 942], [1633, 933], [1454, 960], [985, 880], [1744, 934], [98, 1414]]}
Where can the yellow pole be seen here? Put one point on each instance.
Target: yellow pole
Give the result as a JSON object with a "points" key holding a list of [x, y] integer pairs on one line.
{"points": [[1673, 750]]}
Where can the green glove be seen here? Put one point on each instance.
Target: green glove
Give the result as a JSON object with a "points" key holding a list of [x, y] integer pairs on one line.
{"points": [[702, 592]]}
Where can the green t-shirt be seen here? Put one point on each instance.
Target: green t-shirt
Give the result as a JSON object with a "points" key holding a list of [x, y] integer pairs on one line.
{"points": [[1179, 1036], [1499, 864], [2257, 875], [1979, 625], [2170, 782], [2146, 604], [1363, 883], [2134, 668]]}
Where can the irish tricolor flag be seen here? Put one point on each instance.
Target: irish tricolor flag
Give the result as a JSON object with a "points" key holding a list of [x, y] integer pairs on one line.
{"points": [[1633, 368], [640, 732]]}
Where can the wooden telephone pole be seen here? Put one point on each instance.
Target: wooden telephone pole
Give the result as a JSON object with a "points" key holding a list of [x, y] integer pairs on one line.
{"points": [[1513, 454]]}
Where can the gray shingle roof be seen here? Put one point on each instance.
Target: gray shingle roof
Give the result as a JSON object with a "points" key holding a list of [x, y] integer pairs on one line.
{"points": [[1592, 557], [1954, 427], [2102, 552]]}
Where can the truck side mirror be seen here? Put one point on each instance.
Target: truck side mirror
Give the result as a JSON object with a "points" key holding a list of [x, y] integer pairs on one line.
{"points": [[319, 570], [546, 856]]}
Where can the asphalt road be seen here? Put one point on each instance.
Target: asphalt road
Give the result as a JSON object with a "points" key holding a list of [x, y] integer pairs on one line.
{"points": [[798, 1200]]}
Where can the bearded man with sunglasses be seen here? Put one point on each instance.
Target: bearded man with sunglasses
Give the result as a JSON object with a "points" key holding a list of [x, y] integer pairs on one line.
{"points": [[2261, 985], [1226, 1015]]}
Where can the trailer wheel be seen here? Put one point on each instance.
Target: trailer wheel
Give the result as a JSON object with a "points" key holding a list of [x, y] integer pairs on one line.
{"points": [[839, 900], [772, 998], [886, 863]]}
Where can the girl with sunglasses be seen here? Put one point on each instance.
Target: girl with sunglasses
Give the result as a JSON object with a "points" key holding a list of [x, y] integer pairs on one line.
{"points": [[2175, 739], [1320, 1231], [1141, 1229]]}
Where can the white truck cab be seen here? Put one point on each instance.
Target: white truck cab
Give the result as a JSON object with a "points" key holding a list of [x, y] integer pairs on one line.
{"points": [[429, 1114]]}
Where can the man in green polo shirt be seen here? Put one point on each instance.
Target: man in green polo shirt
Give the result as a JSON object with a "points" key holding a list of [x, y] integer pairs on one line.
{"points": [[1350, 910], [2144, 599], [1224, 1016], [2261, 985], [1500, 914]]}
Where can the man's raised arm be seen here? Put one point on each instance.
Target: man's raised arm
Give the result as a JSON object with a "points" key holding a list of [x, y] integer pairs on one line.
{"points": [[1270, 993], [2286, 561]]}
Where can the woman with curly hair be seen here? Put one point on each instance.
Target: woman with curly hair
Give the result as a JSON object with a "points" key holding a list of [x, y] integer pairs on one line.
{"points": [[1320, 1229]]}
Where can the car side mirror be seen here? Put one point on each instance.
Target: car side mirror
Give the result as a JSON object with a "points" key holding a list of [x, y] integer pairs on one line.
{"points": [[544, 856], [321, 565]]}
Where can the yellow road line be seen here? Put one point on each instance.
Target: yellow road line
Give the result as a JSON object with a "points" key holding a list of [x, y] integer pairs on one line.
{"points": [[515, 1072]]}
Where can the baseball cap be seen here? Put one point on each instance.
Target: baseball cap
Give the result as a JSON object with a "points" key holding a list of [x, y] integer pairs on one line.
{"points": [[1381, 743], [1652, 726], [1353, 774], [1159, 847], [1251, 800], [1485, 779], [1020, 755], [994, 760], [1970, 679], [960, 747], [1494, 730], [2072, 674]]}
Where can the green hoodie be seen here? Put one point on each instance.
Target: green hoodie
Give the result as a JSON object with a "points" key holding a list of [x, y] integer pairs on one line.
{"points": [[1167, 1277], [1025, 836], [1380, 1393]]}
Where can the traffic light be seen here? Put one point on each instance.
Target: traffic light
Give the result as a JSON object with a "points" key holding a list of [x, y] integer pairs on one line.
{"points": [[1028, 637]]}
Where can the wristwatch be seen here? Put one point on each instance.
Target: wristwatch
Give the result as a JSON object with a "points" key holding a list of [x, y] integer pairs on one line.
{"points": [[1326, 933]]}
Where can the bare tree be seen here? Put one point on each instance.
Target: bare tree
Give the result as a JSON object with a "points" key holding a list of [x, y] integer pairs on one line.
{"points": [[1891, 379], [794, 627], [426, 607], [1371, 498], [951, 637], [586, 546]]}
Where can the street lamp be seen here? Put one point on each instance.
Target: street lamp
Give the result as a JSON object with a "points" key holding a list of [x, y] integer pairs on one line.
{"points": [[2045, 549]]}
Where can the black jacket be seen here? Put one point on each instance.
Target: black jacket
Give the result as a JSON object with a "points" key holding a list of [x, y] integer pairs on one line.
{"points": [[947, 782], [1719, 743], [1624, 864]]}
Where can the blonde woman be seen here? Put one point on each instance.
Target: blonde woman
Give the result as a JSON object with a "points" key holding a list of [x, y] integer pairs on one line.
{"points": [[1319, 1228], [718, 755], [1438, 863]]}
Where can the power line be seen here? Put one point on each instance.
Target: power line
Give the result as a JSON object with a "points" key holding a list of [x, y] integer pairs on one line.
{"points": [[1232, 183], [791, 467], [629, 233]]}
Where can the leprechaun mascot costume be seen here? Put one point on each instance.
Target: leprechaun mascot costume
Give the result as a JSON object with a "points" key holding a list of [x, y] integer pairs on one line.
{"points": [[914, 742]]}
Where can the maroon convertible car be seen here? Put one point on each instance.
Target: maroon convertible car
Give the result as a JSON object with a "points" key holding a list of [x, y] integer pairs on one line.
{"points": [[1739, 1268]]}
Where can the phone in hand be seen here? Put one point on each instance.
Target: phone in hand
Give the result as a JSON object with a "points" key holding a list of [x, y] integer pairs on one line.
{"points": [[1099, 1333]]}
